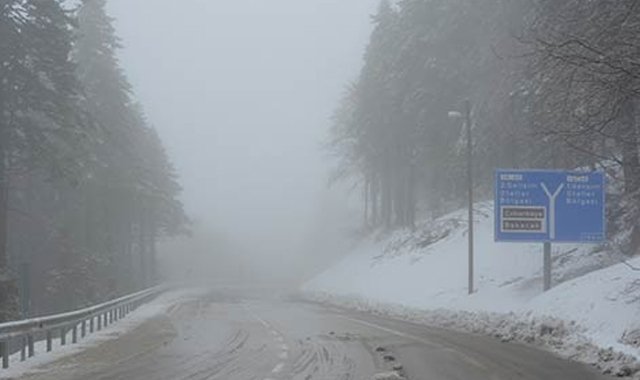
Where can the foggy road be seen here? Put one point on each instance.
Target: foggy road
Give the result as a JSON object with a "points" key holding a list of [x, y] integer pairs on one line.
{"points": [[236, 338]]}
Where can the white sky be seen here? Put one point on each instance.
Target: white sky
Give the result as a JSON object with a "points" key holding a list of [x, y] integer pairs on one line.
{"points": [[241, 92]]}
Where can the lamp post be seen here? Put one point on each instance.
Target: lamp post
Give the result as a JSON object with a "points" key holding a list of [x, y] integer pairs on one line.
{"points": [[467, 122]]}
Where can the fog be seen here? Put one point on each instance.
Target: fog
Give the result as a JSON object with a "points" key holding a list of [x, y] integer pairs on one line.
{"points": [[242, 93], [263, 188]]}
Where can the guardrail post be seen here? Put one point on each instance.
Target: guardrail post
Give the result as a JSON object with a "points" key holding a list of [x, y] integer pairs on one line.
{"points": [[23, 348], [99, 322], [31, 345], [49, 340], [4, 351], [91, 322], [63, 336], [115, 314], [83, 328], [110, 316], [74, 334]]}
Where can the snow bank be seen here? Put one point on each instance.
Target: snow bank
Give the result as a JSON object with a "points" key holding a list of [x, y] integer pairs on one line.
{"points": [[592, 314]]}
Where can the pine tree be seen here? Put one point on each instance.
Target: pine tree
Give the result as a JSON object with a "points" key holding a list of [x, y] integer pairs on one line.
{"points": [[41, 123], [133, 187]]}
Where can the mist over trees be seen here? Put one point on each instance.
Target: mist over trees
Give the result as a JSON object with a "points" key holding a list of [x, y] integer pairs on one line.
{"points": [[552, 84], [86, 185]]}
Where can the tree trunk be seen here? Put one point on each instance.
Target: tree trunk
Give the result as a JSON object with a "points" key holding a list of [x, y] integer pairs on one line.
{"points": [[411, 198], [124, 265], [143, 232], [153, 262], [375, 195], [386, 198], [4, 200], [8, 289], [399, 191], [367, 184], [631, 164], [631, 161], [4, 185]]}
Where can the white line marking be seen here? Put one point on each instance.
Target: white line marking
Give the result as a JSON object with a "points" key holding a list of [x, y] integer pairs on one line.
{"points": [[264, 323], [415, 338], [283, 355], [390, 331], [280, 339]]}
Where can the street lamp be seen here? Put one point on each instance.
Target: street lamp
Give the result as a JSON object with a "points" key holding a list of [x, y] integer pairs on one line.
{"points": [[467, 122]]}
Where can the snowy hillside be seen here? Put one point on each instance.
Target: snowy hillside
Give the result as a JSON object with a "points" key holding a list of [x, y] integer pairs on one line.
{"points": [[424, 272]]}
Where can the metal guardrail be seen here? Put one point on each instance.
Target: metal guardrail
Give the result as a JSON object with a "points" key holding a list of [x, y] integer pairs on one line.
{"points": [[80, 323]]}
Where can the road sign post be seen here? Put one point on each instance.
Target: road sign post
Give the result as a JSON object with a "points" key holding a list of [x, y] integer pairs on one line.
{"points": [[547, 266], [549, 207]]}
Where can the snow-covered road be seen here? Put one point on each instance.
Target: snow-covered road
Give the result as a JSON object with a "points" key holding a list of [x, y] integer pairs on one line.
{"points": [[238, 338]]}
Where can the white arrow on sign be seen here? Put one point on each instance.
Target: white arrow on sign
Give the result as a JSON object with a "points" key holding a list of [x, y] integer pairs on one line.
{"points": [[552, 208]]}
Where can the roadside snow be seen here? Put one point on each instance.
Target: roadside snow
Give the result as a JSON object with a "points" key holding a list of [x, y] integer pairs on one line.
{"points": [[592, 314], [160, 305]]}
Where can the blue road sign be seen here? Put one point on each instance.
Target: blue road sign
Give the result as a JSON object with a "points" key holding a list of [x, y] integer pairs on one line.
{"points": [[549, 206]]}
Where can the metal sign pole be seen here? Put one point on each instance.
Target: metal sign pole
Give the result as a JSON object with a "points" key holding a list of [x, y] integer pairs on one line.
{"points": [[470, 195], [547, 266]]}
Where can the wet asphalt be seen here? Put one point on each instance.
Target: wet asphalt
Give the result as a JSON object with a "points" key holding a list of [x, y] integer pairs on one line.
{"points": [[236, 337]]}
